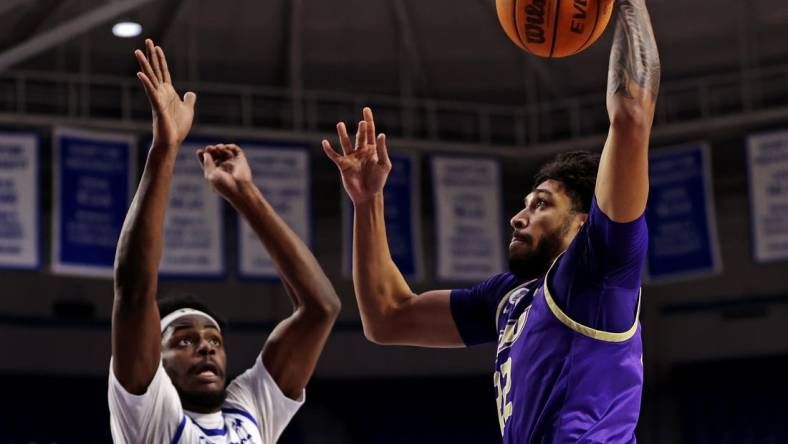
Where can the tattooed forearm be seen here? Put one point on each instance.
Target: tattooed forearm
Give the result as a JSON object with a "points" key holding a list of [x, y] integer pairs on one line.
{"points": [[634, 60]]}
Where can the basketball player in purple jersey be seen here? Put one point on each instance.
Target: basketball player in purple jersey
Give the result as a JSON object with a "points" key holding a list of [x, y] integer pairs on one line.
{"points": [[569, 359]]}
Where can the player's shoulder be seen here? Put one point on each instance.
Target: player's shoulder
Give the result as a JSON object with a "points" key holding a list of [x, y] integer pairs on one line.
{"points": [[598, 217], [500, 284]]}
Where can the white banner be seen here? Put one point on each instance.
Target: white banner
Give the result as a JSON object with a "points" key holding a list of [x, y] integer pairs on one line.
{"points": [[194, 224], [767, 156], [93, 182], [282, 174], [19, 210], [468, 218]]}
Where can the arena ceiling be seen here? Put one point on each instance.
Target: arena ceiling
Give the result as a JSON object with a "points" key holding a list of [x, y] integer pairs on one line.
{"points": [[429, 48]]}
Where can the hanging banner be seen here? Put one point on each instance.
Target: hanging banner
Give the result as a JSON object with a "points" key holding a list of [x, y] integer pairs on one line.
{"points": [[767, 156], [19, 209], [683, 239], [468, 219], [93, 181], [194, 223], [402, 215], [282, 174]]}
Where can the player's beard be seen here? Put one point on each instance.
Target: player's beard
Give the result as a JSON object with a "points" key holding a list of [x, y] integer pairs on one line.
{"points": [[202, 401], [535, 262]]}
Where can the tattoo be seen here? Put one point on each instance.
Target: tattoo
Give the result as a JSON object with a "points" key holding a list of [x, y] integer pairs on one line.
{"points": [[634, 59]]}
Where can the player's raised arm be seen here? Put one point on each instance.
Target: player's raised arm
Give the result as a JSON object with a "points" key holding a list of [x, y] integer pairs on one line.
{"points": [[136, 334], [633, 85], [390, 312], [292, 350]]}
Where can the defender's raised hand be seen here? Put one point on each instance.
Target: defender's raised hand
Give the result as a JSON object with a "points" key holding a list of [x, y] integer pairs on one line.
{"points": [[172, 117], [365, 166], [136, 325], [292, 349], [225, 168]]}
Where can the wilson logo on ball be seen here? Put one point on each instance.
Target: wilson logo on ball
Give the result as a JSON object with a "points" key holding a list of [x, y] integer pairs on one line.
{"points": [[534, 28], [554, 28]]}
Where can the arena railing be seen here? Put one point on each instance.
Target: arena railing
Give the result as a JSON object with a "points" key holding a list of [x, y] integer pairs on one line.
{"points": [[246, 106]]}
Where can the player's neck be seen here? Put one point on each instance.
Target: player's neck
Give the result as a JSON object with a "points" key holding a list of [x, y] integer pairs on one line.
{"points": [[203, 404], [201, 410], [213, 420]]}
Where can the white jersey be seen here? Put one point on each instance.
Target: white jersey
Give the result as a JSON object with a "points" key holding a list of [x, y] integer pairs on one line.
{"points": [[255, 412]]}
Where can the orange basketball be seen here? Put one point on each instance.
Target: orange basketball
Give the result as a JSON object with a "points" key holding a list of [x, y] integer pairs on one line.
{"points": [[554, 28]]}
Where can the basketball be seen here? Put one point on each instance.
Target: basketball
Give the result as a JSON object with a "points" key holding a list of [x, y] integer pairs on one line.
{"points": [[554, 28]]}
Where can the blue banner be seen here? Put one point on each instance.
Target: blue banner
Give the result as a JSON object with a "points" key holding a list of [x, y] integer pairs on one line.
{"points": [[19, 209], [681, 219], [402, 216], [93, 179]]}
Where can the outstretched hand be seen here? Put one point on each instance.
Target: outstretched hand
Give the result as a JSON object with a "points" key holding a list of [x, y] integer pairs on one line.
{"points": [[225, 168], [365, 166], [172, 117]]}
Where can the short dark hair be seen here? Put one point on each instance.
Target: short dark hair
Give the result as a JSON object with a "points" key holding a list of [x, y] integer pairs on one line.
{"points": [[173, 302], [576, 170]]}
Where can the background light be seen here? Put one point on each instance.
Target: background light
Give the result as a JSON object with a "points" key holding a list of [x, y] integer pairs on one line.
{"points": [[126, 29]]}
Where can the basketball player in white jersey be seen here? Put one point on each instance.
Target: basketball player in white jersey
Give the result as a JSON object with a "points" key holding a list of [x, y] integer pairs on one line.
{"points": [[167, 375]]}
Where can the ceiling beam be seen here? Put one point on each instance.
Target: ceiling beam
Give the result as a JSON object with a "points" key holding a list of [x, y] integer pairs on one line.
{"points": [[161, 30], [8, 5], [29, 22], [66, 31]]}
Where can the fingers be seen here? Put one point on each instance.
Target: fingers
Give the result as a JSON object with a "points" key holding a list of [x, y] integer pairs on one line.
{"points": [[190, 99], [213, 155], [344, 139], [383, 152], [226, 152], [146, 68], [147, 84], [165, 70], [370, 119], [222, 152], [330, 152], [235, 149], [218, 153], [150, 91], [208, 165], [361, 135], [154, 59]]}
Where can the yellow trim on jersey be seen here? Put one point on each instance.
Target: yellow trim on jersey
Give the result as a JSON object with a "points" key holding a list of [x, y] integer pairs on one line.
{"points": [[505, 299], [583, 329]]}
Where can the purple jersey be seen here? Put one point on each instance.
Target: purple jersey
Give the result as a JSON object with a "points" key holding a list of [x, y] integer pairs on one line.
{"points": [[569, 361]]}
